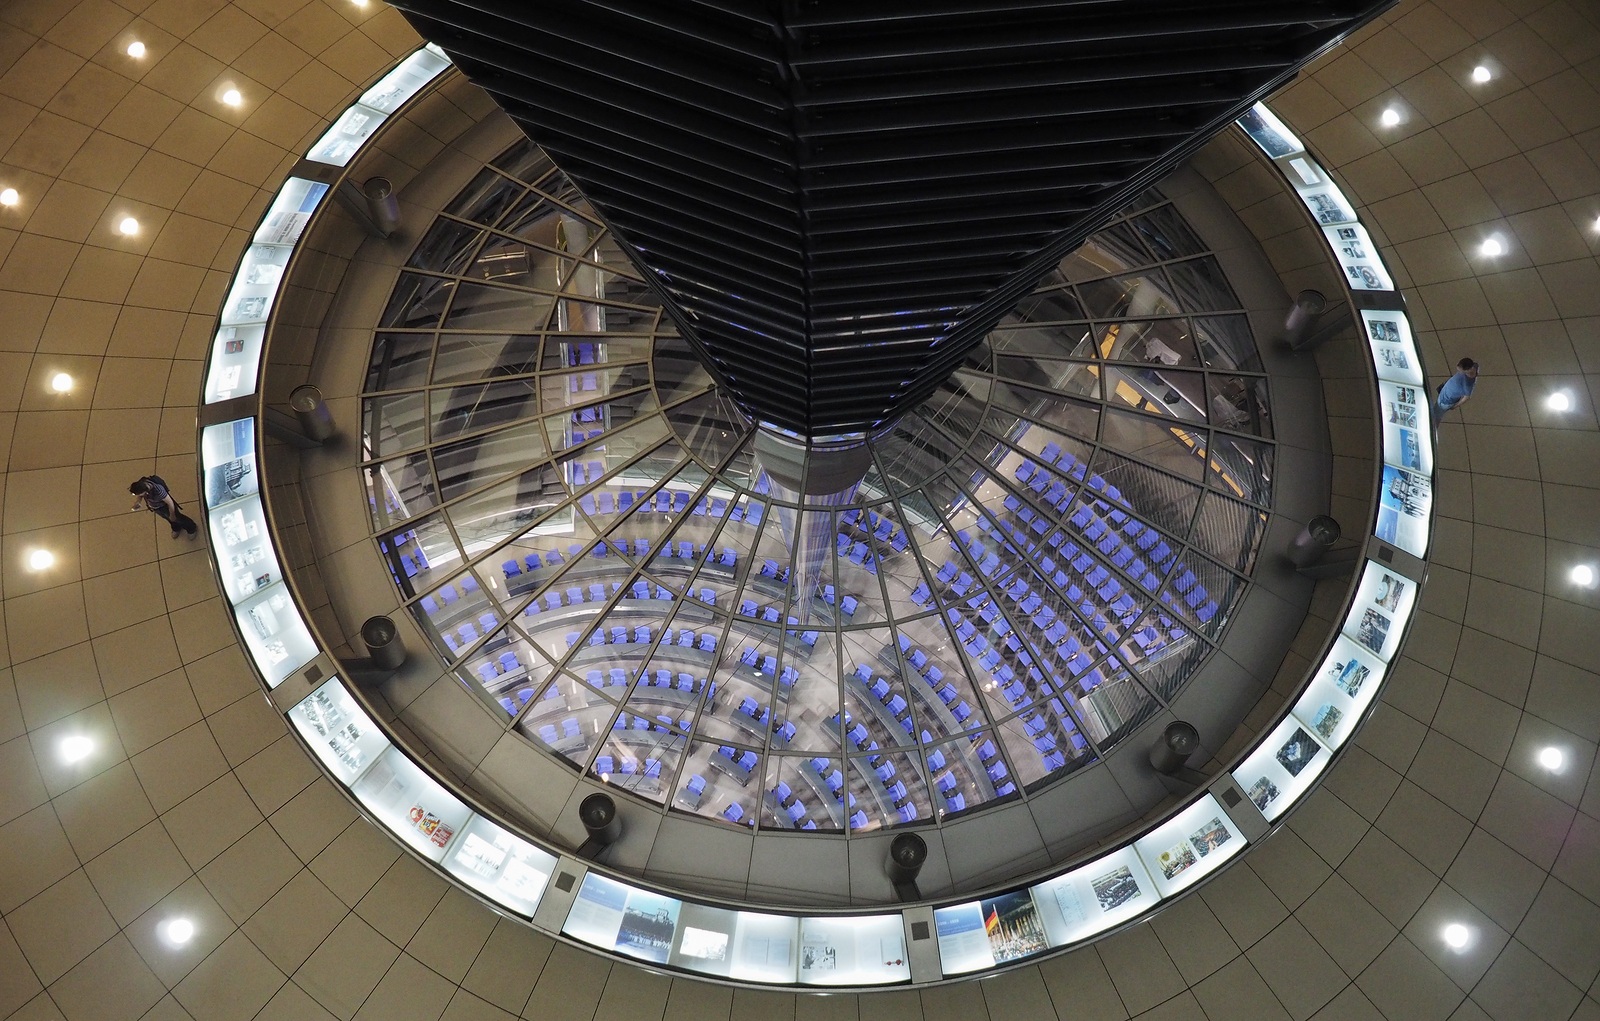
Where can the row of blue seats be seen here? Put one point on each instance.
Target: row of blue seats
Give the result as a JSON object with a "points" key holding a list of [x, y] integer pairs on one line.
{"points": [[857, 553], [581, 473], [766, 664], [644, 634], [808, 637], [880, 527], [1100, 524], [660, 678], [663, 501], [1056, 639], [606, 766], [638, 547]]}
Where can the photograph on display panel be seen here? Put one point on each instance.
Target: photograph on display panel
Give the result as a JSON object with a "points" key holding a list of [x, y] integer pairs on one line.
{"points": [[1404, 502]]}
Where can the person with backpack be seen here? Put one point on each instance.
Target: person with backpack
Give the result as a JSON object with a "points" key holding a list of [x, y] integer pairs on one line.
{"points": [[155, 497]]}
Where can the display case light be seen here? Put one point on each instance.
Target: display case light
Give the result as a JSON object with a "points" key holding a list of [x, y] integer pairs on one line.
{"points": [[40, 560]]}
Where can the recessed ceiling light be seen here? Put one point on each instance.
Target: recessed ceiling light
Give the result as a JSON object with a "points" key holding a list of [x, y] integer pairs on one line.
{"points": [[1481, 74], [40, 560], [9, 197], [180, 931], [232, 97], [75, 748], [128, 227], [1582, 574], [1551, 758], [136, 49], [1456, 935], [1390, 117], [1559, 401], [61, 383], [1492, 247]]}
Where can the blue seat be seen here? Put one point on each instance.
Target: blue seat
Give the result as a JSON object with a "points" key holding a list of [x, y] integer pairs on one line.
{"points": [[936, 760], [858, 820], [733, 813], [880, 689], [908, 811], [708, 642], [782, 792], [796, 812], [487, 672], [511, 568], [508, 662], [604, 765], [569, 727], [696, 785]]}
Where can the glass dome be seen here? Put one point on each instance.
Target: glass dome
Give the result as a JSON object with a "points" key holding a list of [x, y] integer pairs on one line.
{"points": [[709, 616]]}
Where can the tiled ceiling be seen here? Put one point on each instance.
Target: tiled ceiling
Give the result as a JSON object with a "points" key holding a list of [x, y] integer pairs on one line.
{"points": [[196, 802]]}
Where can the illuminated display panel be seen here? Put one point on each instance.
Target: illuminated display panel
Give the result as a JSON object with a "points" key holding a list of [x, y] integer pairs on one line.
{"points": [[357, 125], [626, 919], [338, 730], [412, 804], [744, 945], [995, 930], [1394, 349], [1094, 897], [1340, 691], [1190, 846], [1283, 767], [1381, 610], [1407, 426], [236, 349], [501, 865], [858, 950]]}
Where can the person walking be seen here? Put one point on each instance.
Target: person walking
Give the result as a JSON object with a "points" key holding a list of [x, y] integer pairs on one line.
{"points": [[1459, 386], [154, 496]]}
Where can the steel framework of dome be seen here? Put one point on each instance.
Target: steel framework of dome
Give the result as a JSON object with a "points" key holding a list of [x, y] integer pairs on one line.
{"points": [[1033, 561]]}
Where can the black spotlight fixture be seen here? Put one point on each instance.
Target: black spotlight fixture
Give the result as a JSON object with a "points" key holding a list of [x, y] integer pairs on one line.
{"points": [[907, 853], [1170, 753], [598, 813], [386, 652]]}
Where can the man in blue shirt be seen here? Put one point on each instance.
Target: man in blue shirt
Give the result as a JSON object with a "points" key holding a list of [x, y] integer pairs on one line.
{"points": [[1458, 387]]}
